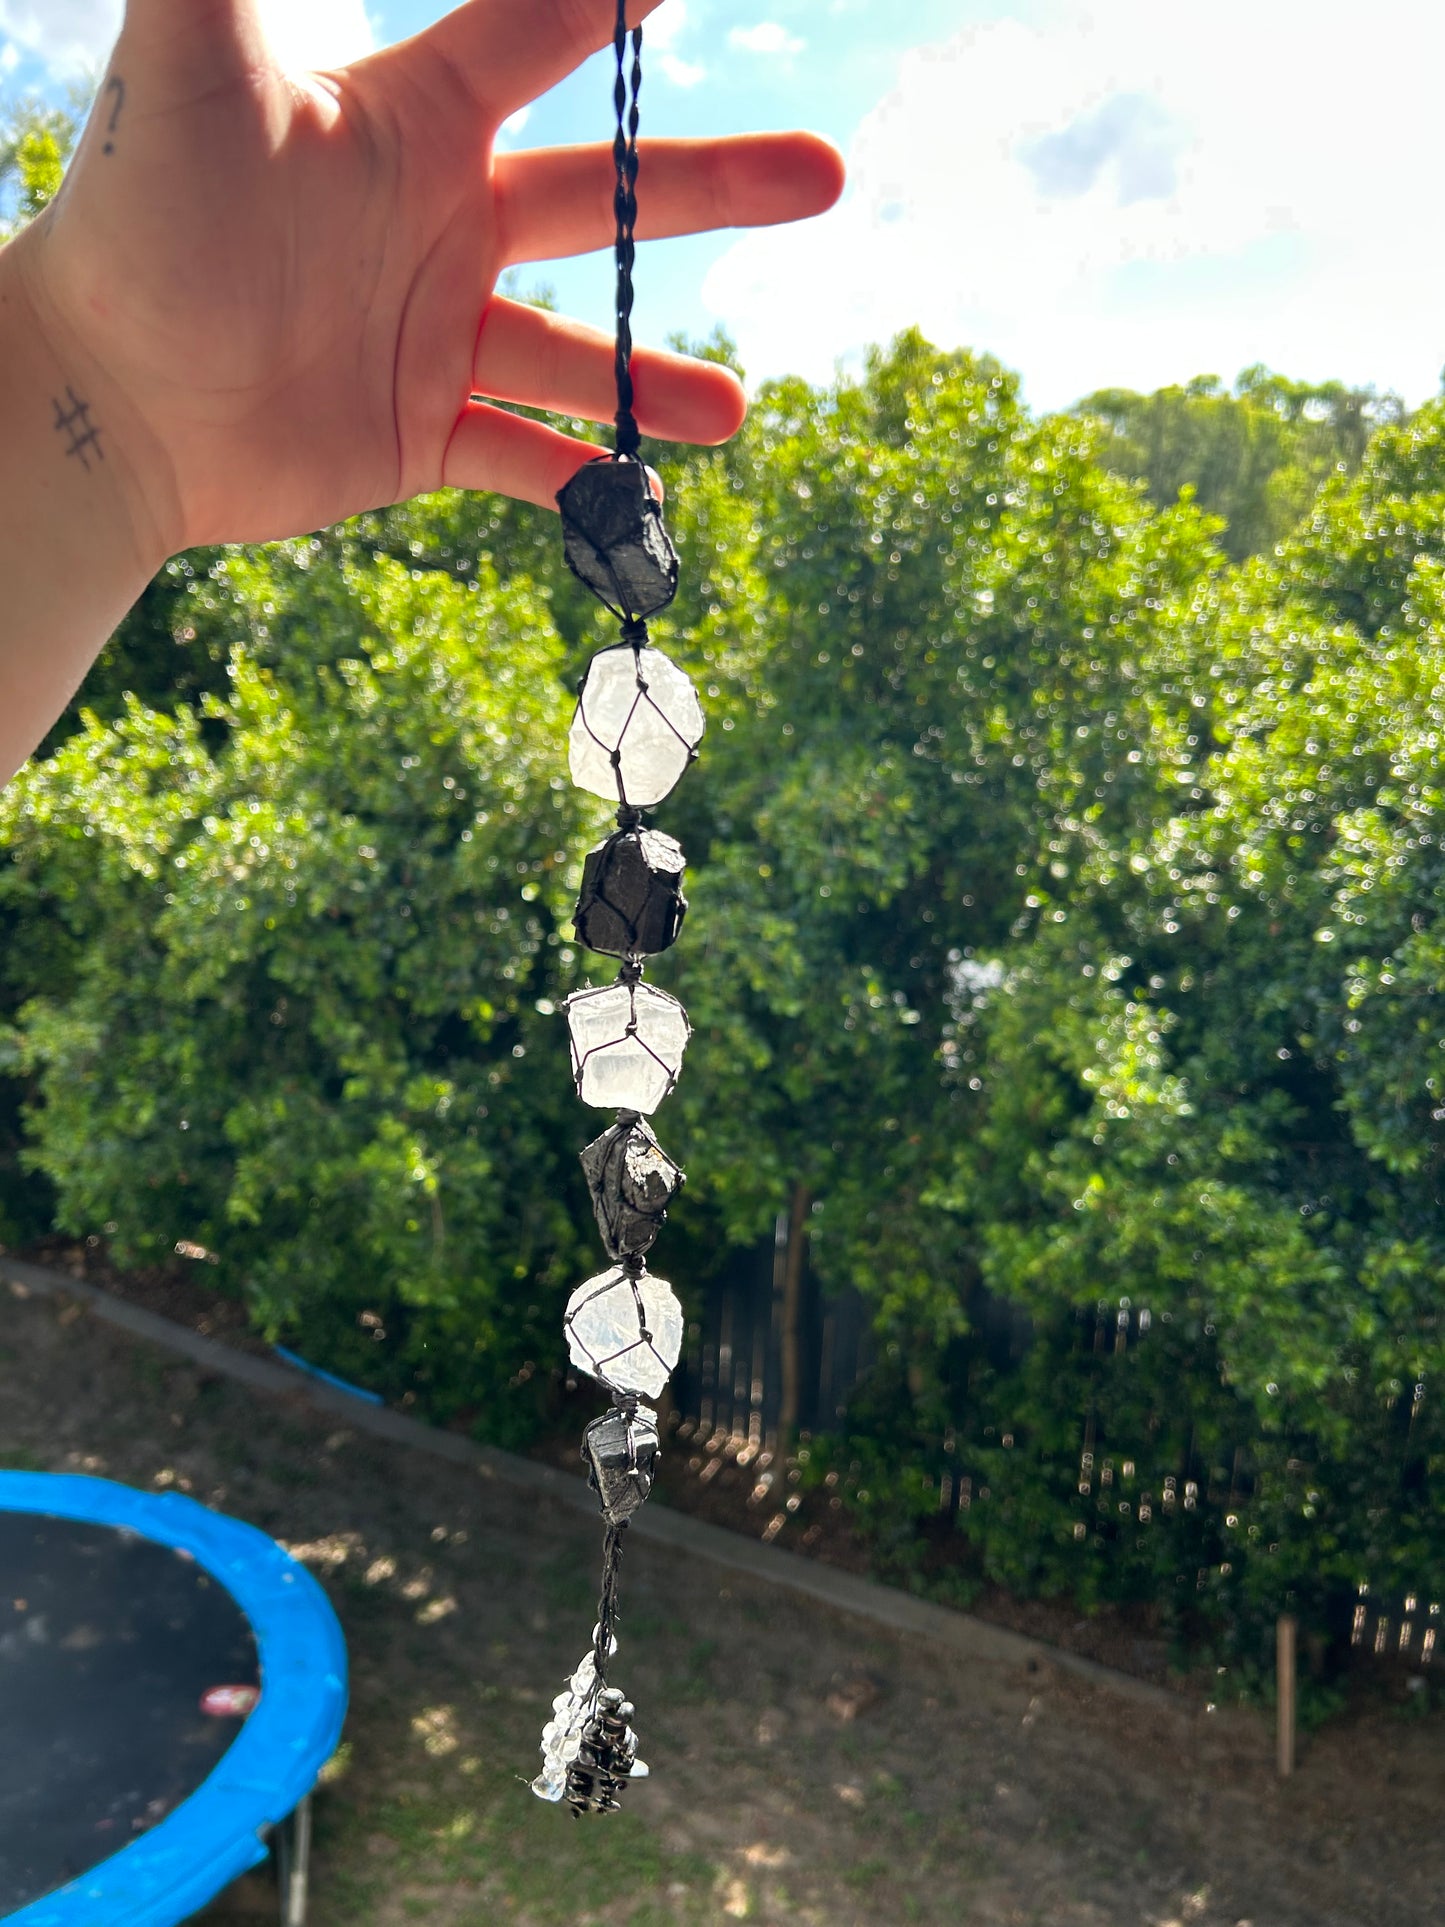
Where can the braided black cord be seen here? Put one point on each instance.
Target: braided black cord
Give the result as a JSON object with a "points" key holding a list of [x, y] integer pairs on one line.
{"points": [[624, 202], [607, 1604]]}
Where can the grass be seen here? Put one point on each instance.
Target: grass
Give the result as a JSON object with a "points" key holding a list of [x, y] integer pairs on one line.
{"points": [[503, 1857]]}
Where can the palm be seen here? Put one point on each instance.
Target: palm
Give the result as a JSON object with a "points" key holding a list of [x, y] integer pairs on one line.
{"points": [[291, 283]]}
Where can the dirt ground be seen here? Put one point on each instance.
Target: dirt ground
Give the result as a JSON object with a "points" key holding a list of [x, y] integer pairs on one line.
{"points": [[807, 1768]]}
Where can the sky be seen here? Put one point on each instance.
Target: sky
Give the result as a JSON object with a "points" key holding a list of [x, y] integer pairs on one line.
{"points": [[1099, 192]]}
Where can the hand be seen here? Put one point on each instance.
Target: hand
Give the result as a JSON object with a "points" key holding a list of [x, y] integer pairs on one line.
{"points": [[275, 292]]}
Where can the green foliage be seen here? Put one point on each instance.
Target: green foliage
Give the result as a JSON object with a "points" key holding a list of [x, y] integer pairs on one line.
{"points": [[1254, 455], [1212, 1090], [925, 639], [293, 942], [36, 141], [1066, 926]]}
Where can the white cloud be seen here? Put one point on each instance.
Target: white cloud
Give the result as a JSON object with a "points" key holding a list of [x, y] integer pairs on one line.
{"points": [[68, 35], [664, 27], [682, 73], [71, 36], [514, 123], [9, 57], [660, 37], [1117, 194], [766, 38]]}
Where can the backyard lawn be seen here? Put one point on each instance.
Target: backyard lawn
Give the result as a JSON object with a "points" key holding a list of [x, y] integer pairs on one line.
{"points": [[807, 1767]]}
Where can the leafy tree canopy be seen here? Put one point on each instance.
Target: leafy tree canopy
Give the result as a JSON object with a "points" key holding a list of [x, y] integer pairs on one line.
{"points": [[1065, 947], [1254, 454]]}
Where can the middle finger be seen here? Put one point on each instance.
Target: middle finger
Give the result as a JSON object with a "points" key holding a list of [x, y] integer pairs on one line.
{"points": [[556, 201]]}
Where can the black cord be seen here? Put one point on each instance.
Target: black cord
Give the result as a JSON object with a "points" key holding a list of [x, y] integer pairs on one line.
{"points": [[624, 202], [607, 1613]]}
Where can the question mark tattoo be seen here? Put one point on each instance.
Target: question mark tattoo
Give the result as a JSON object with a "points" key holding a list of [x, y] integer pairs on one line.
{"points": [[117, 86]]}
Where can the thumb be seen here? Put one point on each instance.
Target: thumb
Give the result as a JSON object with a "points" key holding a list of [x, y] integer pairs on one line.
{"points": [[182, 45]]}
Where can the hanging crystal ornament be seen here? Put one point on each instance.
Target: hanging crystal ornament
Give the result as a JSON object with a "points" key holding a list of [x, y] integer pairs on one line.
{"points": [[624, 1328], [562, 1735], [627, 1043], [636, 728], [632, 903], [606, 1758], [621, 1451], [614, 539], [632, 1181]]}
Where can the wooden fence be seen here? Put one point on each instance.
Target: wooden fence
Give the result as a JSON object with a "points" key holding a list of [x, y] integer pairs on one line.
{"points": [[730, 1377]]}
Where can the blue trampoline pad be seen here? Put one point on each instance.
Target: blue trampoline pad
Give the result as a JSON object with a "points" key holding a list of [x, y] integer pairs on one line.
{"points": [[133, 1786]]}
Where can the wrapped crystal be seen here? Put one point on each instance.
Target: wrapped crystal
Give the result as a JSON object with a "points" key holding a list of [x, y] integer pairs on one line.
{"points": [[621, 1450], [627, 1045], [636, 728], [632, 1181], [562, 1735], [606, 1759], [614, 539], [631, 903], [624, 1331]]}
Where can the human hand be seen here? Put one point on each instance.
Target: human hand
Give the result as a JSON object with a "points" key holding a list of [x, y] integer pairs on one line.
{"points": [[275, 292]]}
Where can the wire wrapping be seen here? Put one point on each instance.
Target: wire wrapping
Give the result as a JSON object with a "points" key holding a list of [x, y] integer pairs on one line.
{"points": [[624, 202], [615, 543]]}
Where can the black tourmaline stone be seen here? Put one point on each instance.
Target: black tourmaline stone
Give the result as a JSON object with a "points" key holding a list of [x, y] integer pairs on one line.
{"points": [[631, 903], [607, 1757], [614, 538], [632, 1181], [621, 1453]]}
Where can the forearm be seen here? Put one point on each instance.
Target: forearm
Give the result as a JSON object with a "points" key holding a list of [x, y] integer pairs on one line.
{"points": [[74, 550]]}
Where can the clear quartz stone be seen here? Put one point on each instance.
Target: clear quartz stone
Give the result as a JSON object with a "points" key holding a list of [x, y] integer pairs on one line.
{"points": [[562, 1735], [625, 1333], [640, 707], [627, 1045]]}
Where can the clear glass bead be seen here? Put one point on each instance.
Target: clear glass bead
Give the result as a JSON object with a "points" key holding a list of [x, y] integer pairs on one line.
{"points": [[627, 1045], [637, 723], [562, 1735], [625, 1332]]}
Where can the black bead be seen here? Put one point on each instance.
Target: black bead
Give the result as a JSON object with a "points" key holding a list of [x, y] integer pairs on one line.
{"points": [[621, 1450], [605, 1758], [632, 1181], [631, 903], [614, 538]]}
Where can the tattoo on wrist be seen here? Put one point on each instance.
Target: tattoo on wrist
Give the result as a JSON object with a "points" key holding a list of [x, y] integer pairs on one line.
{"points": [[75, 422], [115, 85]]}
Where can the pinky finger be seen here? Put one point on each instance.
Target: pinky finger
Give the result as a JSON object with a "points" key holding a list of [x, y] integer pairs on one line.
{"points": [[510, 454]]}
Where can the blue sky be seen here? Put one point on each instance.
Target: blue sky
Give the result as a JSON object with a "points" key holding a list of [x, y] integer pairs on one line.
{"points": [[1099, 191]]}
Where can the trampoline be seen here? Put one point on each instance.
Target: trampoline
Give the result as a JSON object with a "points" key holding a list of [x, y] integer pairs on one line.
{"points": [[171, 1684]]}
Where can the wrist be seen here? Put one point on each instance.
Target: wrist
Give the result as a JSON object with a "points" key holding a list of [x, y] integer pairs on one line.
{"points": [[103, 459], [77, 540]]}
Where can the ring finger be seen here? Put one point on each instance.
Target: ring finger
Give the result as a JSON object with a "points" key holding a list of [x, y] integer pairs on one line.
{"points": [[545, 360]]}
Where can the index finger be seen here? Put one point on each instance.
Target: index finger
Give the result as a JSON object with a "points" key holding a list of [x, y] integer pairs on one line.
{"points": [[509, 51]]}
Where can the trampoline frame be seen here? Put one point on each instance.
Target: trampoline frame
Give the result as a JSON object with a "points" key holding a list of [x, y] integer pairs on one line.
{"points": [[261, 1784]]}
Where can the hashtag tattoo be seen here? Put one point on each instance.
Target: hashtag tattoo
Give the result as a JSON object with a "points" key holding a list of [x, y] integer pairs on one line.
{"points": [[76, 423]]}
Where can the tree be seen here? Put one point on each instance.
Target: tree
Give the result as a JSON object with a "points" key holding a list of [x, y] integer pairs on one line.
{"points": [[1065, 949], [291, 945], [1215, 1091], [1254, 455], [36, 142], [925, 687]]}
